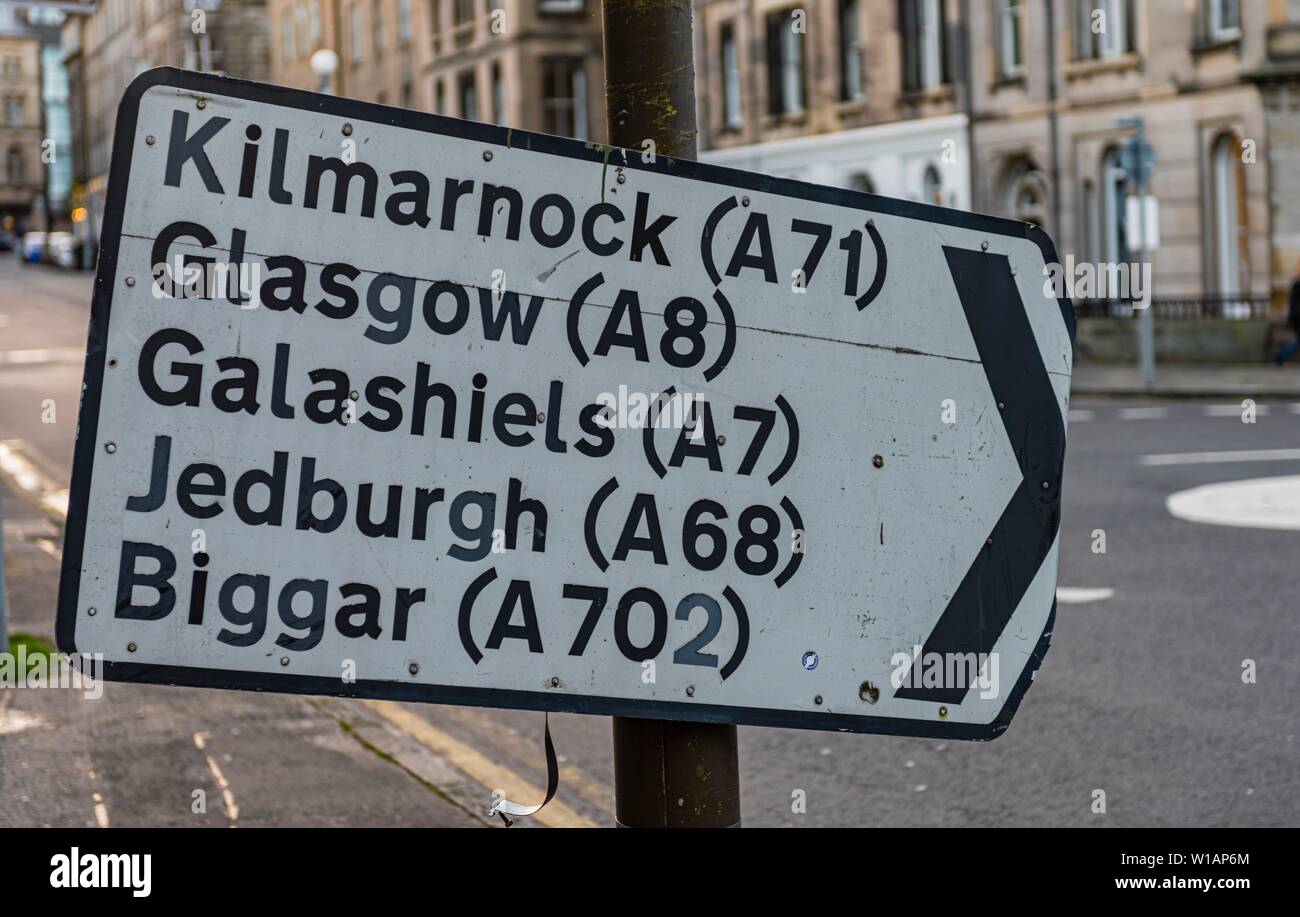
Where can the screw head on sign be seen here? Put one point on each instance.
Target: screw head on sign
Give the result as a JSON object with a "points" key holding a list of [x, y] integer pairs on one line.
{"points": [[984, 246], [943, 713], [487, 155], [201, 103], [110, 448], [722, 440], [541, 416], [868, 692], [347, 130], [130, 647], [413, 668], [878, 461], [818, 700], [150, 140], [555, 682], [92, 611], [690, 690], [621, 178], [284, 660], [130, 281], [1046, 485], [744, 201], [810, 660]]}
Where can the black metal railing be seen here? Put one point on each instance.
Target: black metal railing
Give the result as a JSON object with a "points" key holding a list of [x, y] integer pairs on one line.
{"points": [[1179, 307]]}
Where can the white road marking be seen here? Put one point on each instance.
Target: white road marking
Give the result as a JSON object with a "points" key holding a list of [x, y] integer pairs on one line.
{"points": [[1234, 410], [1143, 413], [1256, 503], [1146, 413], [227, 797], [1080, 595], [28, 477], [15, 721], [1215, 458], [101, 810], [1079, 415]]}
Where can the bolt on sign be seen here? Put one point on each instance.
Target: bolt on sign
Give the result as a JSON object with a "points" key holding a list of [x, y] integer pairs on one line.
{"points": [[388, 404]]}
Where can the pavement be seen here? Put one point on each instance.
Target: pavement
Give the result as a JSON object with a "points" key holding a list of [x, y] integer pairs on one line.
{"points": [[1144, 697], [1211, 380]]}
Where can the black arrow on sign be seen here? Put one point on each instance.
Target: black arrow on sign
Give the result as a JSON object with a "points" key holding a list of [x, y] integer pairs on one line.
{"points": [[1015, 550]]}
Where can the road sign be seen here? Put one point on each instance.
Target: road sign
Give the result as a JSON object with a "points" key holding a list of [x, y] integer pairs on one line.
{"points": [[388, 404]]}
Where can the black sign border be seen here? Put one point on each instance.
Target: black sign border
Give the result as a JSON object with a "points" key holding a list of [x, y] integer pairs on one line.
{"points": [[199, 85]]}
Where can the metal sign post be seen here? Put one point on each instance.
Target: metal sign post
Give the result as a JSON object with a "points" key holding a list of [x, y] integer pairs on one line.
{"points": [[1139, 162], [666, 773]]}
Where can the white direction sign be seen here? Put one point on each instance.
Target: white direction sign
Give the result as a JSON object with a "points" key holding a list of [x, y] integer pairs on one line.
{"points": [[387, 404]]}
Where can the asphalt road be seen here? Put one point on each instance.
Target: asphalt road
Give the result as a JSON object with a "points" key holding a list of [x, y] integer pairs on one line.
{"points": [[1141, 695]]}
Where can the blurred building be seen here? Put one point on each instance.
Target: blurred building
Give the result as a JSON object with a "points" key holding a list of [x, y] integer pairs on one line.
{"points": [[107, 48], [530, 64], [22, 173], [1051, 78], [864, 94]]}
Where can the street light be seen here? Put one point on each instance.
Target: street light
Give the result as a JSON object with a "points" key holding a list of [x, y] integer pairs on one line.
{"points": [[324, 63]]}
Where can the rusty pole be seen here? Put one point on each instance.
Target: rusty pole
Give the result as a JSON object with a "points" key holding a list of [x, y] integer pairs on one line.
{"points": [[667, 774]]}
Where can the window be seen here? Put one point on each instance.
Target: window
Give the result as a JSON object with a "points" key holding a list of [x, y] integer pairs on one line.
{"points": [[354, 32], [784, 65], [861, 181], [377, 27], [1228, 229], [14, 111], [932, 186], [439, 97], [1222, 20], [1011, 52], [435, 20], [300, 30], [404, 21], [1104, 29], [564, 98], [462, 11], [313, 29], [498, 96], [286, 36], [15, 166], [731, 116], [850, 52], [1114, 180], [925, 44], [467, 95]]}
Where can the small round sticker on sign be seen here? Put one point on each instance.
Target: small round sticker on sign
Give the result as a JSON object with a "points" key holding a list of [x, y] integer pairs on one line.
{"points": [[810, 660]]}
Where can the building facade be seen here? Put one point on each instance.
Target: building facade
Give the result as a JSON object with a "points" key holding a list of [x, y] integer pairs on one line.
{"points": [[22, 173], [531, 64], [106, 49], [864, 94], [1053, 78], [1013, 107]]}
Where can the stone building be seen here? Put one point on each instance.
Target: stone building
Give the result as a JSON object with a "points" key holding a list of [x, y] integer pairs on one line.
{"points": [[1052, 78], [865, 94], [531, 64], [22, 173], [107, 48]]}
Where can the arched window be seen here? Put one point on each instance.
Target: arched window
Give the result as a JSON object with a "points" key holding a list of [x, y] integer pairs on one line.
{"points": [[932, 186], [1024, 191], [1228, 260], [861, 181], [1114, 180]]}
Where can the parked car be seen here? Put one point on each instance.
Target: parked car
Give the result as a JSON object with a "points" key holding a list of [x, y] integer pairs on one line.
{"points": [[33, 247], [61, 249]]}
